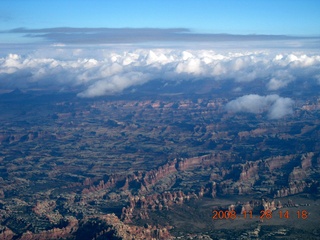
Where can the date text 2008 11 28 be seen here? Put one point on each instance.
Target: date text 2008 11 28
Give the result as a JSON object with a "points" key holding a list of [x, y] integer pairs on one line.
{"points": [[264, 214]]}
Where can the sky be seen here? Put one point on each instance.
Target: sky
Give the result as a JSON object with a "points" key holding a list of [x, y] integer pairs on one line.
{"points": [[267, 17], [97, 48]]}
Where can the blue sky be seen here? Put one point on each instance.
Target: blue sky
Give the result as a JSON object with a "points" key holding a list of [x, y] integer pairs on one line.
{"points": [[275, 17]]}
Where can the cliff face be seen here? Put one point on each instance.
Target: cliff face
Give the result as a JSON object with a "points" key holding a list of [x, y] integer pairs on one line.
{"points": [[153, 176], [243, 178], [240, 179], [141, 191], [139, 206], [277, 162], [145, 181], [54, 233], [250, 170], [293, 188], [107, 226], [116, 229]]}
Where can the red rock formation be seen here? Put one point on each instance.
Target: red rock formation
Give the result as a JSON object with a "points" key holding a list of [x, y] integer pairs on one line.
{"points": [[189, 163], [87, 182], [294, 188], [268, 205], [306, 161], [101, 186], [114, 228], [232, 207], [6, 234], [297, 174], [154, 176], [246, 208], [139, 205], [55, 233], [124, 231], [201, 192], [42, 207], [250, 170], [278, 162], [279, 205], [143, 181], [256, 206], [213, 189]]}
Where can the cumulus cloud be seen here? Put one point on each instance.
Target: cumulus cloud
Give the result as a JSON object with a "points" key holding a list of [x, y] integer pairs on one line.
{"points": [[275, 84], [114, 84], [252, 103], [280, 108], [276, 106], [104, 70]]}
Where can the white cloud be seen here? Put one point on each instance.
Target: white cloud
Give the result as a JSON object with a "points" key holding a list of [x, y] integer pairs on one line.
{"points": [[251, 103], [275, 84], [190, 66], [280, 108], [114, 84], [277, 107], [113, 70]]}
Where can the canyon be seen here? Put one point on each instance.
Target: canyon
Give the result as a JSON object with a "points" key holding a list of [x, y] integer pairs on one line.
{"points": [[153, 167]]}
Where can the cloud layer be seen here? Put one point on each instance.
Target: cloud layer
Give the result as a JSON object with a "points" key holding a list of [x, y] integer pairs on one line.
{"points": [[69, 35], [104, 71], [277, 107]]}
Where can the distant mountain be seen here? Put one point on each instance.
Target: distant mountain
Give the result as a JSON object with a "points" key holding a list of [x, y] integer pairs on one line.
{"points": [[16, 92]]}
